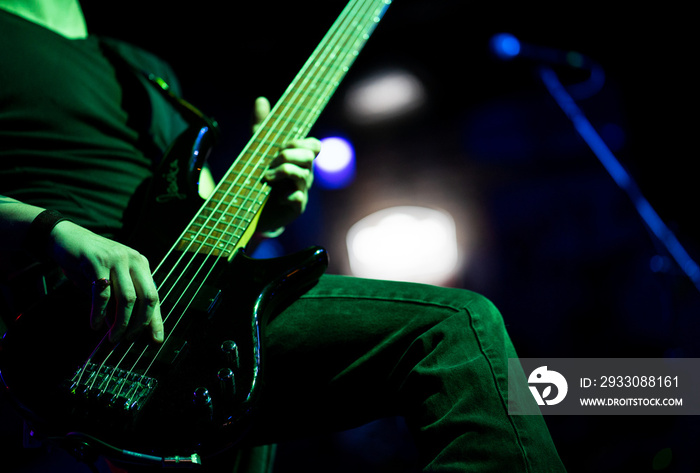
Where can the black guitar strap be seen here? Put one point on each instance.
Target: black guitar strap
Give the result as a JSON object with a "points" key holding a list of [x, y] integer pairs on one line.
{"points": [[191, 115]]}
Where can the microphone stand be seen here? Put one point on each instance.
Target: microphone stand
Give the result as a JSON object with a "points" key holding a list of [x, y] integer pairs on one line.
{"points": [[658, 229]]}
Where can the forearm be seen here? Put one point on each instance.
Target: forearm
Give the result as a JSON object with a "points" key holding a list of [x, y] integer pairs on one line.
{"points": [[86, 257]]}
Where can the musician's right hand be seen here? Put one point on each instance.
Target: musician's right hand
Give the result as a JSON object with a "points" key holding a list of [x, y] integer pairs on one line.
{"points": [[87, 258]]}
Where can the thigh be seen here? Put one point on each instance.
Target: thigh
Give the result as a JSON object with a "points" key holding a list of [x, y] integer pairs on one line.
{"points": [[337, 357], [351, 350]]}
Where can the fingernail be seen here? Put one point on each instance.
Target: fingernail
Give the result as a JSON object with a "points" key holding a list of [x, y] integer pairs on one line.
{"points": [[158, 336]]}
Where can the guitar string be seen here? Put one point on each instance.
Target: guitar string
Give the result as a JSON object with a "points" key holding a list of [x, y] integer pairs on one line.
{"points": [[299, 99], [81, 372], [216, 227], [299, 104], [114, 369], [225, 178], [224, 213], [99, 368], [301, 92], [223, 181], [296, 103]]}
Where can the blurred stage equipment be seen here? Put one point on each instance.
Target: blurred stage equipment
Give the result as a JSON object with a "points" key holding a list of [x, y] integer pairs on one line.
{"points": [[507, 47]]}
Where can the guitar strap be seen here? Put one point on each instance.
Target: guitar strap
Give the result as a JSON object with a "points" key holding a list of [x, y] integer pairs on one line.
{"points": [[191, 115]]}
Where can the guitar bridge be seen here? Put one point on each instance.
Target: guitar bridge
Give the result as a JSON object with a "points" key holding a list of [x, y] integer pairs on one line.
{"points": [[122, 390]]}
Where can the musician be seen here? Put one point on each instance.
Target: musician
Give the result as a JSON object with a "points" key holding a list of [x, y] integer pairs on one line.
{"points": [[80, 132]]}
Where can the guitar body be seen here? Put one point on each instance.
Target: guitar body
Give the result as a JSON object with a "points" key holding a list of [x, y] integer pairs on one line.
{"points": [[199, 394], [195, 393]]}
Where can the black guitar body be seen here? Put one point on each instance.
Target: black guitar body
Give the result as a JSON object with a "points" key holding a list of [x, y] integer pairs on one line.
{"points": [[192, 396]]}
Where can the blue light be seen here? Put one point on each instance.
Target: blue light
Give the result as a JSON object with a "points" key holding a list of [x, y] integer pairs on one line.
{"points": [[334, 168], [269, 248], [505, 46]]}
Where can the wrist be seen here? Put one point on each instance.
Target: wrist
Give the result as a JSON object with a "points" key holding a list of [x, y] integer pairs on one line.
{"points": [[37, 240]]}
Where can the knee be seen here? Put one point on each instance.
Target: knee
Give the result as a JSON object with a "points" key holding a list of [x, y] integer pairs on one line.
{"points": [[482, 311], [478, 309], [474, 319]]}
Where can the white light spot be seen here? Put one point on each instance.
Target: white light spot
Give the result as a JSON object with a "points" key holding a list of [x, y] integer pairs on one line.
{"points": [[386, 95], [404, 244]]}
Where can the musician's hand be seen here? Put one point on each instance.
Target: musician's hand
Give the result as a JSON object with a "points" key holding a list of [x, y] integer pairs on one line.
{"points": [[86, 257], [290, 175]]}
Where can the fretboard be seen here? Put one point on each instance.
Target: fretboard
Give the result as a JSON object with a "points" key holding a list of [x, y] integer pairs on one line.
{"points": [[224, 222]]}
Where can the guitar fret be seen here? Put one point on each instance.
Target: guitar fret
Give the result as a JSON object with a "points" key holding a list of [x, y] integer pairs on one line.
{"points": [[265, 143], [229, 196], [212, 239], [247, 178], [291, 128], [245, 175], [205, 247], [217, 231], [221, 219], [222, 215], [199, 240]]}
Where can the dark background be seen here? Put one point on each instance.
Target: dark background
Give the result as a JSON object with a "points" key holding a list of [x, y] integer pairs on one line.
{"points": [[558, 246]]}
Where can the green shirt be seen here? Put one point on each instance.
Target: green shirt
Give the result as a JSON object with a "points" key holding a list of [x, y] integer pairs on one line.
{"points": [[79, 133]]}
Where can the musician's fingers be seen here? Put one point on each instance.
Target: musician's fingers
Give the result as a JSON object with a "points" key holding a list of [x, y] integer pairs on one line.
{"points": [[300, 152], [296, 202], [301, 178], [125, 295], [147, 309], [156, 325], [261, 109], [100, 298], [310, 143]]}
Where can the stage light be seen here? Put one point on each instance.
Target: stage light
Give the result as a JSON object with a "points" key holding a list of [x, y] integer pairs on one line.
{"points": [[384, 95], [334, 167], [404, 244], [505, 46]]}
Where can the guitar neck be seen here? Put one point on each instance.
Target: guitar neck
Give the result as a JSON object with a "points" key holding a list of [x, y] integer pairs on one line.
{"points": [[227, 219]]}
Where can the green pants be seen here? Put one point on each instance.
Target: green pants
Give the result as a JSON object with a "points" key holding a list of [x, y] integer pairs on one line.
{"points": [[353, 350]]}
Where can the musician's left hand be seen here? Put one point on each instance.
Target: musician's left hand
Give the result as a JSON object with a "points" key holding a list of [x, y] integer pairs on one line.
{"points": [[290, 175]]}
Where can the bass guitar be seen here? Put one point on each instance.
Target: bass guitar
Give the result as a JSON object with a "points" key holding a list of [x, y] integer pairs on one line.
{"points": [[193, 396]]}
